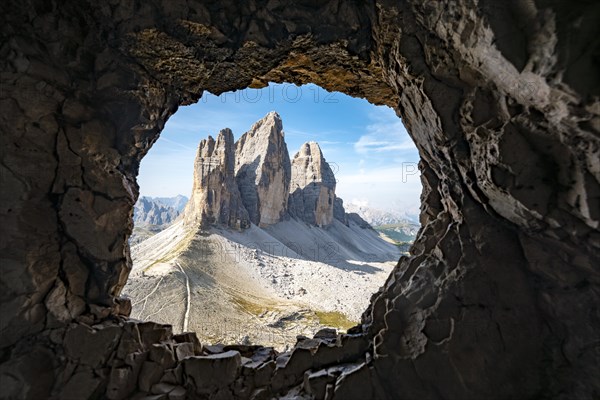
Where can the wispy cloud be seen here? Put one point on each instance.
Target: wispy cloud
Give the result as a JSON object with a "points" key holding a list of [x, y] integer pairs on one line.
{"points": [[326, 142], [405, 173], [295, 132], [397, 187], [177, 143], [386, 133]]}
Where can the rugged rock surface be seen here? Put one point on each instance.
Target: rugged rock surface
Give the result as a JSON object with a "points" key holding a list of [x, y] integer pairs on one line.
{"points": [[152, 212], [498, 297], [339, 212], [312, 187], [262, 175], [215, 196], [262, 170], [357, 219]]}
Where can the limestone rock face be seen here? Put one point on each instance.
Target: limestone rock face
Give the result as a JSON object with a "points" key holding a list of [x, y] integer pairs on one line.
{"points": [[312, 188], [262, 170], [215, 196], [264, 186]]}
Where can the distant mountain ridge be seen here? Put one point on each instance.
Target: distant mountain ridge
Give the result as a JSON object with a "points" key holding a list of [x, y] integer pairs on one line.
{"points": [[153, 214], [378, 217], [395, 225], [158, 210], [178, 202]]}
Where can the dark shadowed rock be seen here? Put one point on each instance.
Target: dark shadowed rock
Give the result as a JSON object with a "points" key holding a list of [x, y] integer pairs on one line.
{"points": [[210, 373], [339, 212], [498, 296], [358, 220]]}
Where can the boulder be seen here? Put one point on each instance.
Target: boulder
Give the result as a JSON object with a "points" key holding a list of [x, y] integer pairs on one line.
{"points": [[210, 373], [91, 346], [354, 384], [189, 337], [150, 374]]}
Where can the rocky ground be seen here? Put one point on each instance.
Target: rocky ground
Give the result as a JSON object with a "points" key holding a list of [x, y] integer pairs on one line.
{"points": [[257, 286]]}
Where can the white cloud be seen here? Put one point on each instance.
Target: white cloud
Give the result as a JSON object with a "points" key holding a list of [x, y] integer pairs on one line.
{"points": [[326, 142], [386, 133], [391, 187], [386, 175]]}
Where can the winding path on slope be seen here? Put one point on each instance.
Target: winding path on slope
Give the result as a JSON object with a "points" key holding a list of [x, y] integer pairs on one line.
{"points": [[186, 317]]}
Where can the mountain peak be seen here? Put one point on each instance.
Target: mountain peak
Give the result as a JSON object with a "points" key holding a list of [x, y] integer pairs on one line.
{"points": [[310, 148], [215, 197], [254, 181], [152, 211], [269, 125], [262, 170], [312, 187]]}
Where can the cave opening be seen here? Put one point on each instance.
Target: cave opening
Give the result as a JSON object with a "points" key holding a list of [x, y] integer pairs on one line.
{"points": [[496, 299], [340, 180]]}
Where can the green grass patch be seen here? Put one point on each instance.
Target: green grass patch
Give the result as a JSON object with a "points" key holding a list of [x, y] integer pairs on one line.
{"points": [[250, 307], [335, 319]]}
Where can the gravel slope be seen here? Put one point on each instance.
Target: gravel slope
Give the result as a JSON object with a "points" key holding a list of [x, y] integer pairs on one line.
{"points": [[259, 285]]}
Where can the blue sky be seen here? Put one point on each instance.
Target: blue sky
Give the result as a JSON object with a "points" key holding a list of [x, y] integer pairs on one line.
{"points": [[373, 157]]}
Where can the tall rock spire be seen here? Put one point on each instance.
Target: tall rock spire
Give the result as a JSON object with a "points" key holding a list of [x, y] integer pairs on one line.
{"points": [[215, 197], [253, 181], [312, 187], [262, 170]]}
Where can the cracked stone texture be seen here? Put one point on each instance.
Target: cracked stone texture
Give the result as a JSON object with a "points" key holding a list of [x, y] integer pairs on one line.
{"points": [[312, 187], [215, 196], [499, 297]]}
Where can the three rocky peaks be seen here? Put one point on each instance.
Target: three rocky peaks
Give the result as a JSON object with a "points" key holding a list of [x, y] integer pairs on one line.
{"points": [[254, 181]]}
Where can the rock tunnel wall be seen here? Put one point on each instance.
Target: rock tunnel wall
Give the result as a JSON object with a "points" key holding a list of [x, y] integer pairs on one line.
{"points": [[499, 298]]}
